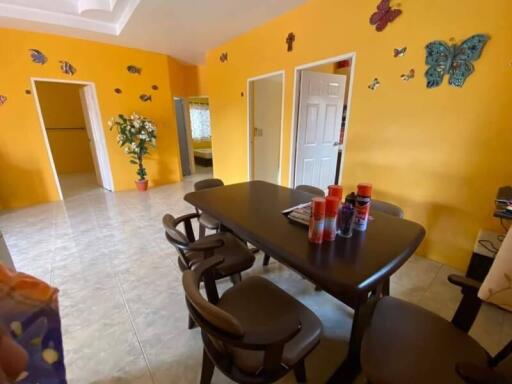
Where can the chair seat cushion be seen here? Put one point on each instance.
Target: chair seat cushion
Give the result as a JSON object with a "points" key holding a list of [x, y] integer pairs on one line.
{"points": [[208, 221], [407, 344], [260, 305], [237, 257]]}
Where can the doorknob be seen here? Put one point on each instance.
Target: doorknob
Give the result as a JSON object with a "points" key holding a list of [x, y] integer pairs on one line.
{"points": [[336, 143]]}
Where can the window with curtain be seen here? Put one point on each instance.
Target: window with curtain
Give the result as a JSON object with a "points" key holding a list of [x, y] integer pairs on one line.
{"points": [[200, 121]]}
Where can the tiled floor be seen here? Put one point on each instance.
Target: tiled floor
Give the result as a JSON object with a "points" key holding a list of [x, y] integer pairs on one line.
{"points": [[123, 312]]}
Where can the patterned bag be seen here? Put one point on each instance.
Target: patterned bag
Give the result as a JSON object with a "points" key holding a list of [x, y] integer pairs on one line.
{"points": [[29, 311], [497, 286]]}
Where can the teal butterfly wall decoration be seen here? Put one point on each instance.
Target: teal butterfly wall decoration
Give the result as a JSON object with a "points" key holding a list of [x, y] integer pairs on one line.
{"points": [[453, 60]]}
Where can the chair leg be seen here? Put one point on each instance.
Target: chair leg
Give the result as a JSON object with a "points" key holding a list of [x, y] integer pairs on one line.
{"points": [[266, 259], [202, 231], [207, 369], [236, 278], [191, 322], [300, 372], [386, 287]]}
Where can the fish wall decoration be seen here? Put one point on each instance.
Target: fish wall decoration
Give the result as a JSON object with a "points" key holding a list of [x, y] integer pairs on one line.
{"points": [[3, 99], [145, 98], [409, 75], [399, 52], [67, 68], [134, 70], [37, 56], [118, 91], [453, 60], [374, 84], [384, 15]]}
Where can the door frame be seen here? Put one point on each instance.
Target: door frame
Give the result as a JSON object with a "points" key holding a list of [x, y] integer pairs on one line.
{"points": [[91, 108], [295, 109], [250, 155]]}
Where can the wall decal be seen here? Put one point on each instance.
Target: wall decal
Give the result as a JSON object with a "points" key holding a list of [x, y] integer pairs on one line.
{"points": [[134, 70], [290, 39], [409, 75], [374, 84], [37, 56], [154, 87], [223, 57], [67, 68], [384, 15], [242, 94], [145, 98], [399, 52], [28, 92], [453, 60], [3, 99], [118, 91]]}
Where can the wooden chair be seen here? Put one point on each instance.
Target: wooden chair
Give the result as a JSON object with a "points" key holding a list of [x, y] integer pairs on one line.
{"points": [[236, 256], [205, 220], [388, 208], [405, 344], [255, 333], [317, 192]]}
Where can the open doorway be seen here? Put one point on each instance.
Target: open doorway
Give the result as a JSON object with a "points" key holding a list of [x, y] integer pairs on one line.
{"points": [[265, 123], [74, 137], [195, 135], [322, 107]]}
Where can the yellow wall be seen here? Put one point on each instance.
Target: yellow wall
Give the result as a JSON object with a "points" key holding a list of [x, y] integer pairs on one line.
{"points": [[30, 179], [65, 126], [439, 153]]}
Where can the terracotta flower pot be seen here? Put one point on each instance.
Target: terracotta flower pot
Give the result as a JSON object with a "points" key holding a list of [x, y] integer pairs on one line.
{"points": [[142, 185]]}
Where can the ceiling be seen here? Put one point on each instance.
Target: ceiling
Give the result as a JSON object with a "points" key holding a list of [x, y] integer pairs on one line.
{"points": [[185, 29]]}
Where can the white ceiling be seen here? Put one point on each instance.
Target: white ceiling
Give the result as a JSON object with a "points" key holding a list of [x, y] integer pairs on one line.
{"points": [[185, 29]]}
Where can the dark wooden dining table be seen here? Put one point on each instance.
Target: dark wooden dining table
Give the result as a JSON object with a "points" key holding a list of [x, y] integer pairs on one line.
{"points": [[349, 269]]}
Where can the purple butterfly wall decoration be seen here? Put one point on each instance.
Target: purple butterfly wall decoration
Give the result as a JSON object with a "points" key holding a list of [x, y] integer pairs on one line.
{"points": [[384, 15]]}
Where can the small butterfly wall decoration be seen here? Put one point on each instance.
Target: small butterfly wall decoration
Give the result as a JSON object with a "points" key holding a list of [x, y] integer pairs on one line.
{"points": [[37, 56], [409, 75], [399, 52], [154, 87], [3, 99], [145, 98], [223, 57], [67, 68], [453, 60], [118, 90], [374, 84], [384, 15]]}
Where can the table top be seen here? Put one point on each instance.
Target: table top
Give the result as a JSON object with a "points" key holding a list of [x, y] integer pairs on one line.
{"points": [[342, 267]]}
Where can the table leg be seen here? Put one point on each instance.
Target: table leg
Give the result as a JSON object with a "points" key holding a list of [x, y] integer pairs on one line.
{"points": [[350, 368]]}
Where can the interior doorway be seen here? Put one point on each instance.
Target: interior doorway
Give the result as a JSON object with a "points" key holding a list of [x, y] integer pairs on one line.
{"points": [[265, 123], [321, 109], [194, 134], [74, 137]]}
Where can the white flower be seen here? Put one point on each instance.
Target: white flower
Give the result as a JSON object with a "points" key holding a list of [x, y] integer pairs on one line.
{"points": [[133, 145], [126, 150], [111, 122], [143, 136], [136, 123]]}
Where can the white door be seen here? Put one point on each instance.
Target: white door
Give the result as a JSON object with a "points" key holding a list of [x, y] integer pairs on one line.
{"points": [[267, 96], [319, 126], [96, 137]]}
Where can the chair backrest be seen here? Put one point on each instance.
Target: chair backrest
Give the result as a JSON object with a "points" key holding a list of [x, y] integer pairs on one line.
{"points": [[211, 315], [173, 234], [207, 184], [310, 189], [387, 208]]}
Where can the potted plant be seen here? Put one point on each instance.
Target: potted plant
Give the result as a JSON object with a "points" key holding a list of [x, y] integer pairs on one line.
{"points": [[135, 134]]}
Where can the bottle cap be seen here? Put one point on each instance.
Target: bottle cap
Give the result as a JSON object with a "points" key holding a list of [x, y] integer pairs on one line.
{"points": [[318, 207], [331, 206], [364, 189], [336, 191]]}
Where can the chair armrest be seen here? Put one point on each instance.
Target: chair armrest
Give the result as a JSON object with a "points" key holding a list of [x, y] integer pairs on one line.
{"points": [[465, 283], [475, 374], [187, 217], [187, 223], [206, 246]]}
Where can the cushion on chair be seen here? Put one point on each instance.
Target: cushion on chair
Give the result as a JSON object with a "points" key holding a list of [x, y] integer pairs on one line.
{"points": [[260, 305], [237, 257], [407, 344], [208, 221]]}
